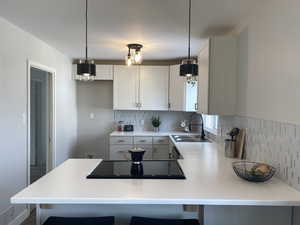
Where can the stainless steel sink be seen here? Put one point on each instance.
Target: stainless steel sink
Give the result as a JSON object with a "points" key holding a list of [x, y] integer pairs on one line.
{"points": [[189, 138]]}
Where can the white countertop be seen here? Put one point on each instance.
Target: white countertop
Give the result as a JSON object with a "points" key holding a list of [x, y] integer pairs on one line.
{"points": [[148, 133], [210, 180]]}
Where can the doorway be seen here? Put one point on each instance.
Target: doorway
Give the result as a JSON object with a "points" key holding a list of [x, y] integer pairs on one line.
{"points": [[40, 116]]}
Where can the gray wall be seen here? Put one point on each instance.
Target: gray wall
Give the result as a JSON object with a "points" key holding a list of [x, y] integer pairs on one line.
{"points": [[16, 47], [96, 98], [93, 133]]}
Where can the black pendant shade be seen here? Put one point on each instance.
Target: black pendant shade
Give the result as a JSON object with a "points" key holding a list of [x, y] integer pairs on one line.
{"points": [[189, 70], [86, 68], [189, 67]]}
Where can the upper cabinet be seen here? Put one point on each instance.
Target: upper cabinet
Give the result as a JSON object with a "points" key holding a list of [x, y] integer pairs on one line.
{"points": [[141, 87], [103, 72], [154, 87], [125, 88], [182, 96], [218, 76]]}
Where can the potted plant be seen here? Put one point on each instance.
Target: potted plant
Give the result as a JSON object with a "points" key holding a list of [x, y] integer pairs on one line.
{"points": [[156, 123]]}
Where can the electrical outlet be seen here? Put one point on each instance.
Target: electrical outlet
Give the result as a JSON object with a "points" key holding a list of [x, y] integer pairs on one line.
{"points": [[92, 116]]}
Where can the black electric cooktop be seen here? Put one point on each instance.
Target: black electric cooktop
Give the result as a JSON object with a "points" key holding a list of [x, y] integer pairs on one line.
{"points": [[148, 169]]}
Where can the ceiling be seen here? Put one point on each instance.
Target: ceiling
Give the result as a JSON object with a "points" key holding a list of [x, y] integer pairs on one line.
{"points": [[160, 25]]}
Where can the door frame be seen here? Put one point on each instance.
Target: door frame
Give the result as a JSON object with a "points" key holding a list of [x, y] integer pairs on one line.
{"points": [[51, 161]]}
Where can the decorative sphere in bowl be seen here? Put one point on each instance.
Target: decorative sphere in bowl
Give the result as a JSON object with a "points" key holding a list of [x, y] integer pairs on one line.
{"points": [[253, 171]]}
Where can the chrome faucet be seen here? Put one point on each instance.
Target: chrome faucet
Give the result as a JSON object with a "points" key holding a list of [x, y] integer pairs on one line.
{"points": [[202, 125]]}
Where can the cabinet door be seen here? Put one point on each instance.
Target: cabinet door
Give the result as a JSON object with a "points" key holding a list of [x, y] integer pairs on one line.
{"points": [[160, 152], [191, 97], [125, 87], [222, 76], [176, 89], [203, 62], [119, 152], [104, 72], [154, 87], [148, 149]]}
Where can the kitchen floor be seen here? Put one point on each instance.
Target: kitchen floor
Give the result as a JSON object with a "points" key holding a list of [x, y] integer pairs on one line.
{"points": [[30, 220]]}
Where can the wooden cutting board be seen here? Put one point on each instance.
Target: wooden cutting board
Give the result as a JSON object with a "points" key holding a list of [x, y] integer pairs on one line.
{"points": [[240, 144]]}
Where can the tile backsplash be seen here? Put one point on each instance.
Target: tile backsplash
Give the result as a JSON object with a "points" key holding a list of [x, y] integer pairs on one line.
{"points": [[142, 119], [275, 143]]}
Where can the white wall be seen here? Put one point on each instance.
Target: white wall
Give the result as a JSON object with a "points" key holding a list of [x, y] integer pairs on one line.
{"points": [[269, 62], [16, 47]]}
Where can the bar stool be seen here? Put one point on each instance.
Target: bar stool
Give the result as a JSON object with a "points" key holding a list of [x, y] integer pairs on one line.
{"points": [[153, 221], [53, 220]]}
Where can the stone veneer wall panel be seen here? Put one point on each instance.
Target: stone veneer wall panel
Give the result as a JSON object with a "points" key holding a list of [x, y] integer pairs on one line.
{"points": [[275, 143]]}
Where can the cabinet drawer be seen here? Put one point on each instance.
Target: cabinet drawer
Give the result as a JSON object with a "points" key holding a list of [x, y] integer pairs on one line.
{"points": [[143, 140], [121, 140], [119, 152], [160, 140], [148, 149]]}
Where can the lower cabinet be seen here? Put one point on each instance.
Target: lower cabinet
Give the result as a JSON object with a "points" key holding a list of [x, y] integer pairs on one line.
{"points": [[119, 152], [148, 149], [160, 152], [157, 148]]}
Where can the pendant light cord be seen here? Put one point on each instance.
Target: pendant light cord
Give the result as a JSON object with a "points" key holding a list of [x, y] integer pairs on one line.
{"points": [[189, 42], [86, 25]]}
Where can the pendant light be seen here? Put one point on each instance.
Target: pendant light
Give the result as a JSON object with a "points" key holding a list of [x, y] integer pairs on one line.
{"points": [[86, 68], [136, 56], [189, 67]]}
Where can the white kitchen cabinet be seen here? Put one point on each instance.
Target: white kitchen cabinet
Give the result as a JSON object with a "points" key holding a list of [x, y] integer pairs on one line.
{"points": [[148, 149], [153, 90], [191, 97], [160, 152], [217, 78], [119, 152], [125, 87], [182, 96], [103, 72], [156, 148], [176, 89]]}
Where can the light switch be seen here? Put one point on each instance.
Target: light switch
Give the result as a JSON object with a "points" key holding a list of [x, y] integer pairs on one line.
{"points": [[24, 118], [92, 116]]}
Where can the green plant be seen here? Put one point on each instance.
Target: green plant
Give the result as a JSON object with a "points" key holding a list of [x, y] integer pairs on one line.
{"points": [[155, 121]]}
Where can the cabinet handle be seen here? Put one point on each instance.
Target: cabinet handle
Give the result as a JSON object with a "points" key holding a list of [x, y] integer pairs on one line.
{"points": [[169, 105], [120, 141], [196, 106], [143, 141]]}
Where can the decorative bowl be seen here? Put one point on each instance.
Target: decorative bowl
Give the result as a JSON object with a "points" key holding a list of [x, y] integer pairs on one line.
{"points": [[253, 171]]}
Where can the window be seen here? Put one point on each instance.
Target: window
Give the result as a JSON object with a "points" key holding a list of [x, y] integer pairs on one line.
{"points": [[211, 123]]}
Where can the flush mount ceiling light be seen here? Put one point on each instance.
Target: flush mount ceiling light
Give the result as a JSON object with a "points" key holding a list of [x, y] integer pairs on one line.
{"points": [[136, 56], [189, 68], [86, 68]]}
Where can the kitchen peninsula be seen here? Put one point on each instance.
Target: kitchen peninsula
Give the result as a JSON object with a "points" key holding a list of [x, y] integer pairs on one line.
{"points": [[210, 180]]}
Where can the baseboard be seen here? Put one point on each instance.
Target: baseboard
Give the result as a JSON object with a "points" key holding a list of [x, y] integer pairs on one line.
{"points": [[20, 218]]}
